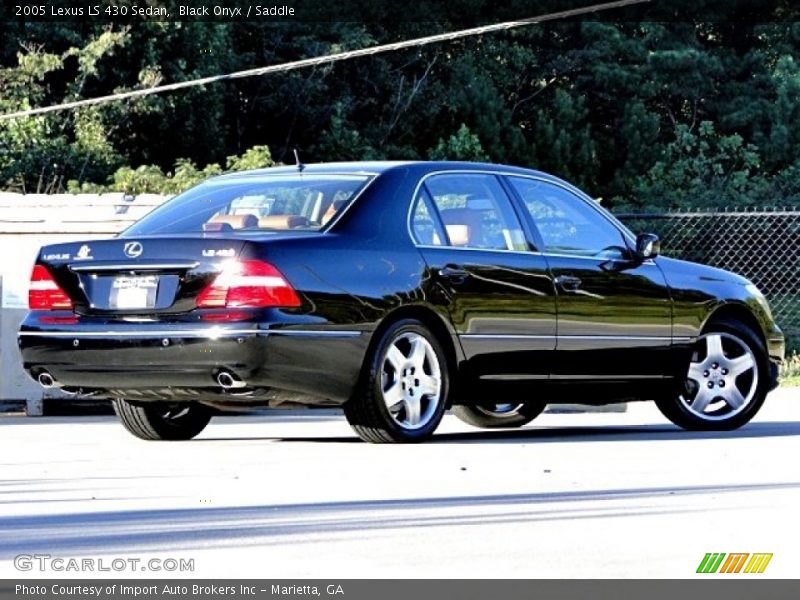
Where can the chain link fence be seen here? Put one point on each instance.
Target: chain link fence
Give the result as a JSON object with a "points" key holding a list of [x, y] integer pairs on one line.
{"points": [[762, 245]]}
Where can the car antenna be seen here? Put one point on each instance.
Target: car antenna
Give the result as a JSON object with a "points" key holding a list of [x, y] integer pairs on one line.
{"points": [[300, 166]]}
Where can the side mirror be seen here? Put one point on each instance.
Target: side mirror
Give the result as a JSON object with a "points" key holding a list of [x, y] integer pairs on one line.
{"points": [[647, 246]]}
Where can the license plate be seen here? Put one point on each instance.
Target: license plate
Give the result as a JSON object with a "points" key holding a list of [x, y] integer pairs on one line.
{"points": [[129, 293]]}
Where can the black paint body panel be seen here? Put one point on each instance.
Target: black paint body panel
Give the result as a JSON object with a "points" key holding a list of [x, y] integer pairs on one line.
{"points": [[508, 327]]}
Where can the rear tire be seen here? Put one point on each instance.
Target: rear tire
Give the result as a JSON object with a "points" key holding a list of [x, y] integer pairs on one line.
{"points": [[499, 416], [162, 421], [403, 392], [727, 381]]}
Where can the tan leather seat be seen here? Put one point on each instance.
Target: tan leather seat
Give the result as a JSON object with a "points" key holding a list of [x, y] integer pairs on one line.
{"points": [[282, 221], [236, 221], [458, 234], [464, 226], [331, 212]]}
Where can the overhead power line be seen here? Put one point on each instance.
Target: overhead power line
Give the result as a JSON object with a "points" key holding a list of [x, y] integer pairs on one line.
{"points": [[327, 59]]}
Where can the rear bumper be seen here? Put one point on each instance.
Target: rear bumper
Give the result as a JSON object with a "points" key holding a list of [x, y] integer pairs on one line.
{"points": [[320, 362]]}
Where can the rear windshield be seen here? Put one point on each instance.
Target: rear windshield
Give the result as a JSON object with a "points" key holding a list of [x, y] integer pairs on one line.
{"points": [[268, 203]]}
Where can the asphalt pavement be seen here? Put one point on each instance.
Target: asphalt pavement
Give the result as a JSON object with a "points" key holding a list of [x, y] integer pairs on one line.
{"points": [[298, 495]]}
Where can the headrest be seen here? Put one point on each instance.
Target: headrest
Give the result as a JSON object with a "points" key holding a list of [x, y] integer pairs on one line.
{"points": [[458, 234], [236, 221], [462, 224], [282, 221], [460, 216], [332, 210], [329, 214], [479, 203]]}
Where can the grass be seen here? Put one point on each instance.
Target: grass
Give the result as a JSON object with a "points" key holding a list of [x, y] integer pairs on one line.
{"points": [[790, 371]]}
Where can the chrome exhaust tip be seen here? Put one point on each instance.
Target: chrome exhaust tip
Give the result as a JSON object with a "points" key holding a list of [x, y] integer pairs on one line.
{"points": [[228, 381], [47, 381]]}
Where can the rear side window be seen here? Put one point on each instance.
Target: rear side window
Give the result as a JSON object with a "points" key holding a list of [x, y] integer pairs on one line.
{"points": [[424, 222], [253, 203], [474, 211]]}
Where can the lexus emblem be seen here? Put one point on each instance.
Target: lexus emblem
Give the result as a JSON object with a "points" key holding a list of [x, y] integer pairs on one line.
{"points": [[133, 249]]}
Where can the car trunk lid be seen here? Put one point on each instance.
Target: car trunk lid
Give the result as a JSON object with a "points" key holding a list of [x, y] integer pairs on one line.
{"points": [[134, 276]]}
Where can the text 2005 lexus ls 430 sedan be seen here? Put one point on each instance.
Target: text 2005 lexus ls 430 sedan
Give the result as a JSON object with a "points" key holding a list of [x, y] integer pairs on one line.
{"points": [[395, 290]]}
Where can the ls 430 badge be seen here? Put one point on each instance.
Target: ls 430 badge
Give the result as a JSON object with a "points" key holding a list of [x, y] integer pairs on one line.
{"points": [[223, 252]]}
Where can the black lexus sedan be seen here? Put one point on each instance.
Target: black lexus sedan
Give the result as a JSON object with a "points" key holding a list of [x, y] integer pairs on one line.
{"points": [[395, 290]]}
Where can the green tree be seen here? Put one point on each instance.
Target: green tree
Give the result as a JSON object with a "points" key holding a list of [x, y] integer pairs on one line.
{"points": [[703, 169], [462, 145], [39, 154], [616, 107]]}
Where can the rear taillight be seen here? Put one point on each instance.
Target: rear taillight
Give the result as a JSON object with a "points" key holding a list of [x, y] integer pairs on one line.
{"points": [[248, 284], [44, 293]]}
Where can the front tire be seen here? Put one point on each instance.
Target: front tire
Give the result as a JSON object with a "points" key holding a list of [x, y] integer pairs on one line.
{"points": [[161, 420], [403, 393], [499, 416], [726, 383]]}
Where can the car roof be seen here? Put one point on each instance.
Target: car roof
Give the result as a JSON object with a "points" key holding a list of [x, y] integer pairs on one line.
{"points": [[374, 167], [361, 167]]}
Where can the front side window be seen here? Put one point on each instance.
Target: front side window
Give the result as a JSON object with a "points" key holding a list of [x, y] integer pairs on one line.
{"points": [[475, 212], [253, 203], [566, 223]]}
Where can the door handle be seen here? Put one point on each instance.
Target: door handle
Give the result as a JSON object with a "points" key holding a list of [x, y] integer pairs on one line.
{"points": [[453, 274], [568, 283]]}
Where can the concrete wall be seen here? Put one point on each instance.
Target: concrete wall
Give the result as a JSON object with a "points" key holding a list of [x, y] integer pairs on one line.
{"points": [[15, 386], [7, 402], [18, 251], [28, 222]]}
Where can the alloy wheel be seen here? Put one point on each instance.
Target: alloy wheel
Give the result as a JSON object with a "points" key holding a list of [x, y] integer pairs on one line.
{"points": [[722, 379], [411, 381]]}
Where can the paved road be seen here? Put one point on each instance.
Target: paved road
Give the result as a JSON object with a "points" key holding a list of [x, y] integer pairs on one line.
{"points": [[576, 495]]}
